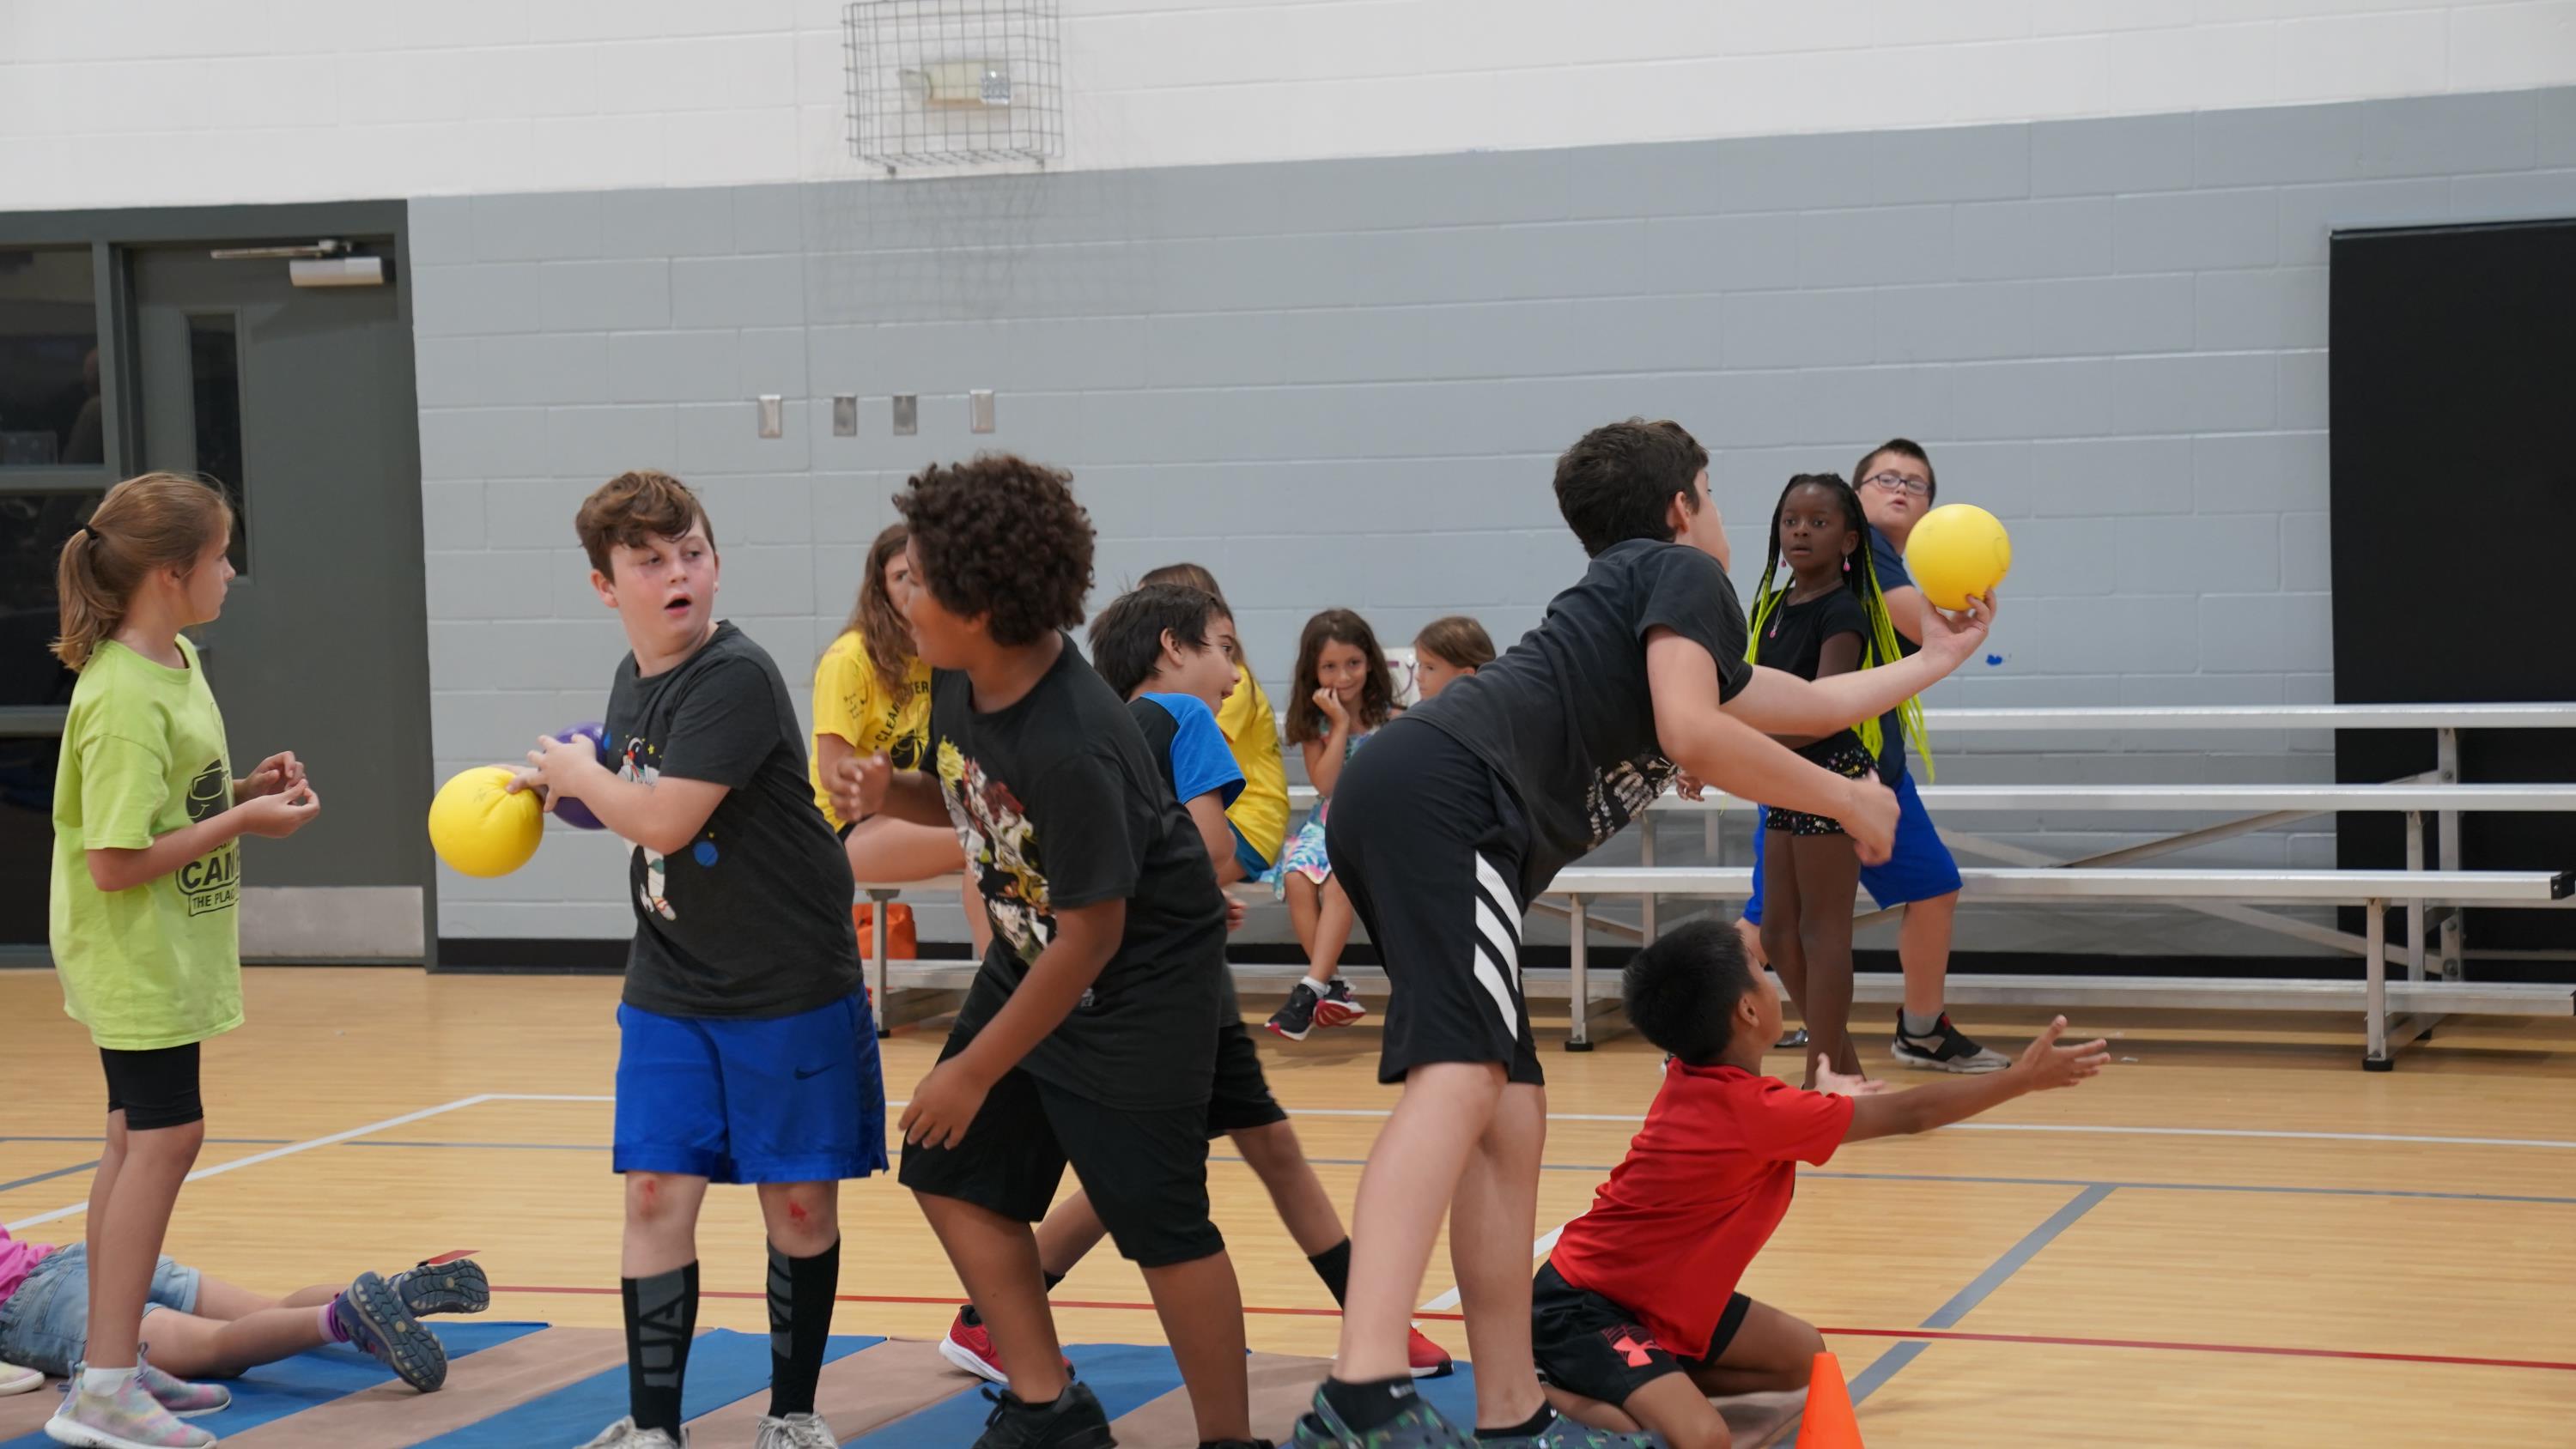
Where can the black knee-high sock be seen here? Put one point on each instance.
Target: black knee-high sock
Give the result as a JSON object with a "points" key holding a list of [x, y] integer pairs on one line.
{"points": [[1333, 1265], [661, 1317], [800, 1325]]}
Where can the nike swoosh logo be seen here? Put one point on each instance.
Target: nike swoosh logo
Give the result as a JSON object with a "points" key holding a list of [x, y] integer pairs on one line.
{"points": [[802, 1074]]}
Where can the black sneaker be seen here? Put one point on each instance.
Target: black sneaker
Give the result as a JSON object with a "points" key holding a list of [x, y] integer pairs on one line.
{"points": [[456, 1286], [1296, 1018], [1337, 1006], [1792, 1040], [1945, 1049], [1072, 1422]]}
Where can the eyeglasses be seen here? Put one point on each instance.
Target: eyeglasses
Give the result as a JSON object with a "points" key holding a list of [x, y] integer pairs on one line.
{"points": [[1898, 483]]}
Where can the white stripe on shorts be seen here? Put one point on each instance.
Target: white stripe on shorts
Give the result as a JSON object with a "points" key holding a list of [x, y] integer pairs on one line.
{"points": [[1498, 949]]}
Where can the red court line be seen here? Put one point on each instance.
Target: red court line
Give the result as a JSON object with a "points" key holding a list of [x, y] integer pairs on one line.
{"points": [[1929, 1334]]}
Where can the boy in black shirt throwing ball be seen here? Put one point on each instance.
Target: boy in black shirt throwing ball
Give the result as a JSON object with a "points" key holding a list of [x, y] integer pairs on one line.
{"points": [[1089, 1036], [1461, 814], [746, 1052]]}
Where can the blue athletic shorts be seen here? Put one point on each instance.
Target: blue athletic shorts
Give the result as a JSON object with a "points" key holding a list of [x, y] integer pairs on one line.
{"points": [[1254, 867], [1919, 869], [736, 1099]]}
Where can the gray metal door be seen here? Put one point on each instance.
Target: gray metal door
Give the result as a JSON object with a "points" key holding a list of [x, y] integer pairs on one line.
{"points": [[301, 402]]}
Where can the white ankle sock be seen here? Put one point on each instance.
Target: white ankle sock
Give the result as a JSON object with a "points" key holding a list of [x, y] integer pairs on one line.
{"points": [[104, 1380], [1319, 987]]}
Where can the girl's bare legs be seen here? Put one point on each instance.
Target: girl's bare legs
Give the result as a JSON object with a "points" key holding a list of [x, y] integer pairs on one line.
{"points": [[129, 1215], [1305, 903], [1333, 918], [1828, 872]]}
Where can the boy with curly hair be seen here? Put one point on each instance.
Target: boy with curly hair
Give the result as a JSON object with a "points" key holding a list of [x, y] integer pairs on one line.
{"points": [[1089, 1036]]}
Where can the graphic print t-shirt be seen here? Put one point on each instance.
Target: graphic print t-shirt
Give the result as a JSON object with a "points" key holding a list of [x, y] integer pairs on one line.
{"points": [[1565, 716], [1706, 1180], [1793, 642], [753, 919], [159, 964], [1058, 803], [850, 701]]}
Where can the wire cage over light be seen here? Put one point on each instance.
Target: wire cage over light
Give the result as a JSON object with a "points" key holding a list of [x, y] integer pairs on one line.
{"points": [[942, 83]]}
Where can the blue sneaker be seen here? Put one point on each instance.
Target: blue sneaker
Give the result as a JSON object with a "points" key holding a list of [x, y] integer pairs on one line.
{"points": [[374, 1317]]}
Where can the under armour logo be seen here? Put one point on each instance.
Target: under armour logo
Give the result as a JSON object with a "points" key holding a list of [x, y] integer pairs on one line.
{"points": [[1636, 1349]]}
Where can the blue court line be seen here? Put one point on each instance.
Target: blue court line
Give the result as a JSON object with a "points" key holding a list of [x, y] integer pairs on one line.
{"points": [[1887, 1365], [318, 1376], [48, 1176], [1126, 1377], [210, 1142], [1603, 1167], [1806, 1174], [723, 1366]]}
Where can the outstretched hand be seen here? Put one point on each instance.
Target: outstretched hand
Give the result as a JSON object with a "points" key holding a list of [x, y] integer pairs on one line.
{"points": [[2049, 1066], [1830, 1081], [1954, 639]]}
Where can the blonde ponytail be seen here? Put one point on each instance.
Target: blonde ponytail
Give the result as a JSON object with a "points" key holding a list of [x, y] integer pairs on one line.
{"points": [[156, 521]]}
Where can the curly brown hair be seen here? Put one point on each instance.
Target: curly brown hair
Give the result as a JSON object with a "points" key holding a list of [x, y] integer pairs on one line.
{"points": [[1001, 536], [1377, 693], [634, 509]]}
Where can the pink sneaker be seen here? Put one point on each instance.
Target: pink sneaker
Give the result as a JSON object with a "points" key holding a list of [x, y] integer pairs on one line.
{"points": [[125, 1419], [183, 1399], [15, 1379]]}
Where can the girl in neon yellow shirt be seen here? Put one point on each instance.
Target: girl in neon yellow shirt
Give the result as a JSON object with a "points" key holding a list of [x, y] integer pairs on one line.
{"points": [[144, 910]]}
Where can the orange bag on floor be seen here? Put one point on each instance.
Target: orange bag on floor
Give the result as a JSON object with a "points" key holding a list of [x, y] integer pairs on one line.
{"points": [[902, 943]]}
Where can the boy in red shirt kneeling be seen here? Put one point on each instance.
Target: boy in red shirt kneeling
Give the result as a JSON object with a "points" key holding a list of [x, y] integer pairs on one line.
{"points": [[1635, 1320]]}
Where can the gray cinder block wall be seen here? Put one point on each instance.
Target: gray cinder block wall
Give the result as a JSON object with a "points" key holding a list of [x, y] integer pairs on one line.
{"points": [[1342, 382]]}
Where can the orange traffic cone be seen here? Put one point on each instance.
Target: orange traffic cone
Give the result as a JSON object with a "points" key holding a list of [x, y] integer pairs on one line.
{"points": [[1829, 1422]]}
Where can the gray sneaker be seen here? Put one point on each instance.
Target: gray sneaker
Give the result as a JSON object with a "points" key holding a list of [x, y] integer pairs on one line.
{"points": [[1945, 1049], [1420, 1426], [1564, 1433], [452, 1287], [796, 1431], [624, 1435], [374, 1317]]}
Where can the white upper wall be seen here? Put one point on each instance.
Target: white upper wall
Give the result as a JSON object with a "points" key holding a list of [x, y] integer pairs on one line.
{"points": [[159, 102]]}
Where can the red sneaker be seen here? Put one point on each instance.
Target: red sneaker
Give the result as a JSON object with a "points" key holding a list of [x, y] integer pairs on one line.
{"points": [[1428, 1360], [970, 1347]]}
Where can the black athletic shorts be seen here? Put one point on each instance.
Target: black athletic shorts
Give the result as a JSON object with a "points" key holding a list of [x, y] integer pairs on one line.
{"points": [[1588, 1345], [1145, 1171], [154, 1089], [1240, 1097], [1429, 842]]}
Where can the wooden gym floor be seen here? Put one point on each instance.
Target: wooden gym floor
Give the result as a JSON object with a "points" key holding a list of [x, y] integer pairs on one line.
{"points": [[2235, 1233]]}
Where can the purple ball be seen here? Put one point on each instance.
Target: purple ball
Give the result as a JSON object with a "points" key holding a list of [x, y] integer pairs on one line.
{"points": [[573, 812]]}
